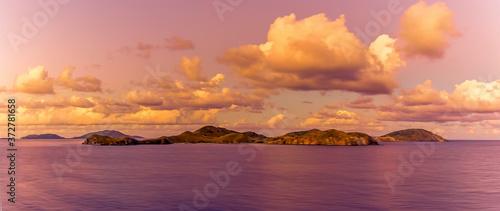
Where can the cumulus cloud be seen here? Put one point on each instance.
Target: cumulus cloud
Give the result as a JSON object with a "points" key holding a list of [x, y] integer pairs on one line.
{"points": [[145, 116], [425, 29], [97, 111], [177, 43], [471, 101], [83, 84], [200, 99], [276, 121], [76, 101], [166, 93], [176, 94], [317, 54], [59, 116], [145, 98], [341, 120], [57, 102], [36, 81], [110, 106], [192, 68], [422, 94]]}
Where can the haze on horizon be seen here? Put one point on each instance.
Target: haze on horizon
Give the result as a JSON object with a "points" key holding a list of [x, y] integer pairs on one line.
{"points": [[162, 67]]}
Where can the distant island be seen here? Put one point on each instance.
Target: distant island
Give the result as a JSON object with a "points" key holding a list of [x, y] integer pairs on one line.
{"points": [[97, 139], [411, 135], [109, 133], [43, 136], [211, 134]]}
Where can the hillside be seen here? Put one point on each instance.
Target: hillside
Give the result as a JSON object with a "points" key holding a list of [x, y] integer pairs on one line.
{"points": [[411, 135], [109, 133], [328, 137], [211, 134], [106, 140], [43, 136]]}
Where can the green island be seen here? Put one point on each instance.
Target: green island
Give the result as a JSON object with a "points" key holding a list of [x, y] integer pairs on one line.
{"points": [[219, 135], [411, 135]]}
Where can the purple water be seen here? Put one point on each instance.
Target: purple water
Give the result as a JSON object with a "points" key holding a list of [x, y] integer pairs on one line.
{"points": [[458, 175]]}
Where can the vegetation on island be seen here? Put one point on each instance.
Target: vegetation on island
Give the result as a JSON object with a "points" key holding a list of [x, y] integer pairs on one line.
{"points": [[411, 135], [211, 134]]}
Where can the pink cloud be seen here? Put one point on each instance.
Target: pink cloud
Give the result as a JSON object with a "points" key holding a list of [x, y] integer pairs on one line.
{"points": [[316, 53], [36, 81], [471, 101], [362, 103], [425, 29], [82, 84], [177, 43]]}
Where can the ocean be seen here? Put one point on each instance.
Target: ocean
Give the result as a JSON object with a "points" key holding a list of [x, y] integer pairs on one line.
{"points": [[66, 175]]}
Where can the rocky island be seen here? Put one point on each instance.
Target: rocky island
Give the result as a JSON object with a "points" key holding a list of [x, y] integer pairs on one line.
{"points": [[97, 139], [211, 134], [411, 135], [219, 135], [328, 137]]}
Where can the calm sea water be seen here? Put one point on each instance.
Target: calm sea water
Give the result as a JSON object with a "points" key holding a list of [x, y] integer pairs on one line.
{"points": [[458, 175]]}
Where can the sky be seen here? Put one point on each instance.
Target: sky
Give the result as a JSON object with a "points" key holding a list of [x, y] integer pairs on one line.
{"points": [[156, 68]]}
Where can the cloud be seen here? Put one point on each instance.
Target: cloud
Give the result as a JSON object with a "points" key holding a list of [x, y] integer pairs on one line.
{"points": [[341, 120], [422, 94], [192, 68], [144, 50], [276, 121], [85, 116], [242, 122], [145, 98], [77, 111], [194, 95], [57, 102], [362, 103], [471, 101], [336, 105], [316, 54], [112, 106], [80, 102], [425, 29], [36, 81], [82, 84], [176, 43], [59, 116]]}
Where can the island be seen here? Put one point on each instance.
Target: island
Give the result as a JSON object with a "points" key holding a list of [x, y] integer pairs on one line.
{"points": [[219, 135], [211, 134], [411, 135], [43, 136], [97, 139], [109, 133], [328, 137]]}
